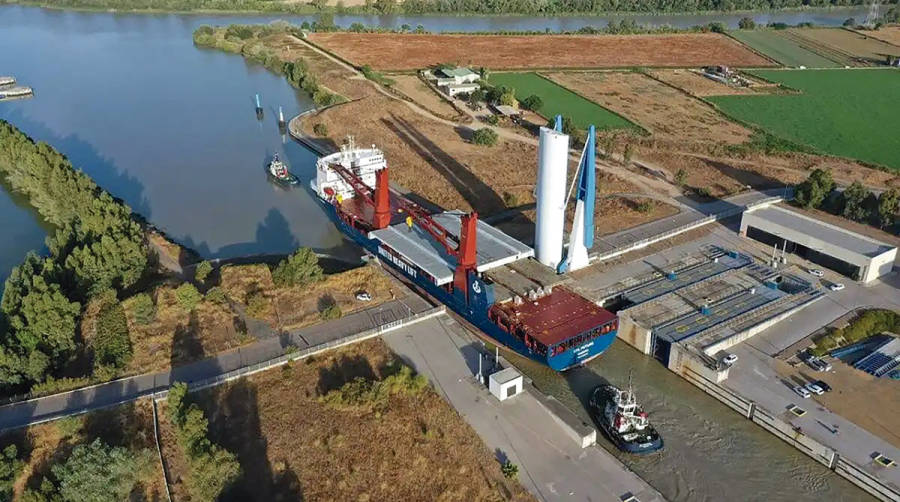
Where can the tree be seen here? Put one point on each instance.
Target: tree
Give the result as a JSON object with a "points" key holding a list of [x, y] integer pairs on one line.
{"points": [[405, 28], [111, 342], [509, 470], [854, 198], [202, 271], [298, 269], [420, 29], [680, 176], [533, 102], [485, 136], [508, 98], [850, 22], [813, 191], [888, 207], [143, 308], [10, 467], [187, 296], [747, 23], [97, 472]]}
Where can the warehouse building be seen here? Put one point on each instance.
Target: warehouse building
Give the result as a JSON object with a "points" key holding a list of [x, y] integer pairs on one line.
{"points": [[856, 256]]}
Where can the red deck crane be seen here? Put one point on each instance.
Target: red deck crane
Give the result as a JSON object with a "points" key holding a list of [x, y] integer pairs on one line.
{"points": [[463, 248]]}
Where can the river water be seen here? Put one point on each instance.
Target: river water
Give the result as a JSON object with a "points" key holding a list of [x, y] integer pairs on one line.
{"points": [[171, 129]]}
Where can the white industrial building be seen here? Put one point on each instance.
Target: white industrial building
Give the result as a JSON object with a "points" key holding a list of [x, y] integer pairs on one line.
{"points": [[454, 90], [505, 384], [856, 256]]}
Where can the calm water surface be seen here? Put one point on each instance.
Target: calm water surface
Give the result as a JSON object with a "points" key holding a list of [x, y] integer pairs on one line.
{"points": [[711, 453]]}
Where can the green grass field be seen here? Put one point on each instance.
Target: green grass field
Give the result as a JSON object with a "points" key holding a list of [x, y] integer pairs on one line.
{"points": [[559, 100], [787, 52], [849, 113]]}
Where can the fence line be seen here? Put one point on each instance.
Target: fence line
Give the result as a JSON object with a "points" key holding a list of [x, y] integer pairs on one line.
{"points": [[787, 433], [162, 461], [160, 390]]}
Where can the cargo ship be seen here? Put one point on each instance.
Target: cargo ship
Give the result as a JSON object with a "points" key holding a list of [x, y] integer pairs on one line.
{"points": [[450, 255]]}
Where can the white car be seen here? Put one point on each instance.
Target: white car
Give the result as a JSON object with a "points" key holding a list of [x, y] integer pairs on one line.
{"points": [[815, 389], [836, 286], [802, 392], [730, 359], [363, 296], [817, 272]]}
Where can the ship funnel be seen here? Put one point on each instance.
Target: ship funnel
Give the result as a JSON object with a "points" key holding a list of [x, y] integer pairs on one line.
{"points": [[553, 152]]}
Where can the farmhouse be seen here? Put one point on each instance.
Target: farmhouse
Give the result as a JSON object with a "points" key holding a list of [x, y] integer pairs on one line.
{"points": [[460, 75], [455, 89], [848, 253]]}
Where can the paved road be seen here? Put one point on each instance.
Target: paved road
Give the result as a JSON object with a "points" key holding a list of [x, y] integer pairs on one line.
{"points": [[127, 389], [551, 465]]}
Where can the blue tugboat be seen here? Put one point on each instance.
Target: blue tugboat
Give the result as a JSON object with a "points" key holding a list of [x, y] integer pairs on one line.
{"points": [[623, 421]]}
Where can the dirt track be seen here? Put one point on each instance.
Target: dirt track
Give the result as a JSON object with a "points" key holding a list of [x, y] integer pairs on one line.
{"points": [[391, 51]]}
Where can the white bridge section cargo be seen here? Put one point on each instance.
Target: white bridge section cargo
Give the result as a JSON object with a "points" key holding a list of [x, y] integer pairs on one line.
{"points": [[856, 256], [419, 248]]}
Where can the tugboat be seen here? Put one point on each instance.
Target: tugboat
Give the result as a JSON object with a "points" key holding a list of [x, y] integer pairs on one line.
{"points": [[623, 420], [278, 171]]}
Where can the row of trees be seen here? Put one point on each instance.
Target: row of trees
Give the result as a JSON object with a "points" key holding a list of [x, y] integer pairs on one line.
{"points": [[212, 468], [246, 40], [599, 6], [870, 322], [855, 202], [97, 246]]}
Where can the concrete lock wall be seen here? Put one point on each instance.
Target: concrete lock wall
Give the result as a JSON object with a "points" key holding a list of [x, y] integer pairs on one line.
{"points": [[634, 335], [681, 360], [880, 265]]}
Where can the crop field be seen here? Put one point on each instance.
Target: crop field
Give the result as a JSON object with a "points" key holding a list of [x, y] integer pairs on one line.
{"points": [[782, 49], [844, 46], [667, 113], [392, 51], [559, 100], [889, 34], [849, 113]]}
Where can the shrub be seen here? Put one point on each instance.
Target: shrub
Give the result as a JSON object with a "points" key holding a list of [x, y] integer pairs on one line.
{"points": [[111, 343], [216, 295], [320, 129], [510, 199], [360, 392], [298, 269], [533, 102], [485, 136], [257, 305], [850, 22], [492, 119], [680, 176], [644, 206], [187, 296], [746, 23], [202, 271], [143, 307], [509, 470], [329, 309]]}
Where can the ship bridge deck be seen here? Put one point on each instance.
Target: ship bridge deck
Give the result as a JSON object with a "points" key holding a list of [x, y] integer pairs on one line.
{"points": [[417, 246]]}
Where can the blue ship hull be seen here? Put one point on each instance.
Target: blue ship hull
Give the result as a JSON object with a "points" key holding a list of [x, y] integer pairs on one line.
{"points": [[476, 315]]}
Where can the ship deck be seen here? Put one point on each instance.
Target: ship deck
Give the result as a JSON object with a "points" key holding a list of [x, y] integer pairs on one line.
{"points": [[495, 248], [558, 316], [357, 207]]}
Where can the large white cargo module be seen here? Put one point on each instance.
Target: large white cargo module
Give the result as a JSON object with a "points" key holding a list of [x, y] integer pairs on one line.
{"points": [[553, 155]]}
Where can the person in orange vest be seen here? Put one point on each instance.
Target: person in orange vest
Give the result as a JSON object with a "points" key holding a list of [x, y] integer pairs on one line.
{"points": [[409, 222]]}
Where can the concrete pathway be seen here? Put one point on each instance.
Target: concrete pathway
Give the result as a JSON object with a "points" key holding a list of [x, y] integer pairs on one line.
{"points": [[551, 465], [42, 409]]}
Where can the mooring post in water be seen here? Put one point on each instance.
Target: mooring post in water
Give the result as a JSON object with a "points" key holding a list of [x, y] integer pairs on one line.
{"points": [[259, 110]]}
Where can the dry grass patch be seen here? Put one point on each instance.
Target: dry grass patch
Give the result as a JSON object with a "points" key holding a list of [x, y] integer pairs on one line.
{"points": [[431, 159], [412, 87], [668, 114], [292, 445], [390, 51], [889, 34], [697, 85], [176, 336], [300, 306], [41, 446]]}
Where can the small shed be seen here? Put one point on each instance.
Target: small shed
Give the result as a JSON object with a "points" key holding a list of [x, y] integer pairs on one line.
{"points": [[508, 111], [505, 384]]}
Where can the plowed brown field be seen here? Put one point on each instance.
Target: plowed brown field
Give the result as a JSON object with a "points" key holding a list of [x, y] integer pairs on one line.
{"points": [[392, 51]]}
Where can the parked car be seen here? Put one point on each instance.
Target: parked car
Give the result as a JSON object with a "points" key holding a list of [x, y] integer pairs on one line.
{"points": [[824, 386], [837, 286], [815, 389], [802, 392], [817, 272], [817, 364], [730, 359], [364, 296]]}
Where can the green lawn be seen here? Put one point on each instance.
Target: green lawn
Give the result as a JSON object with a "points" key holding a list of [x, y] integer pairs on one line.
{"points": [[773, 44], [849, 113], [559, 100]]}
